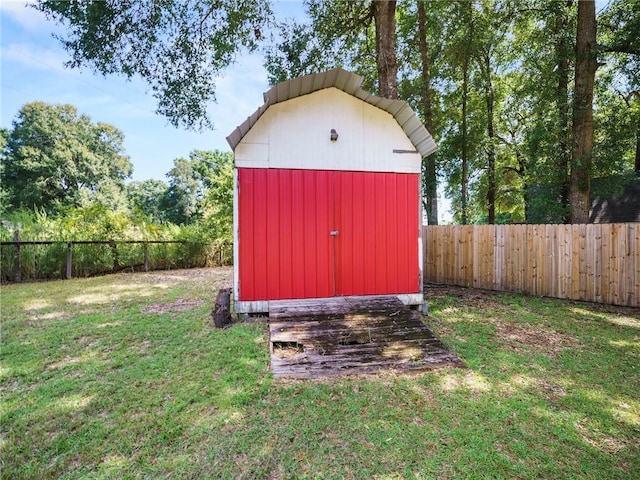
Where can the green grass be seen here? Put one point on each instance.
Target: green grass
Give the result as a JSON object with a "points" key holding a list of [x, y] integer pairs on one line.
{"points": [[123, 377]]}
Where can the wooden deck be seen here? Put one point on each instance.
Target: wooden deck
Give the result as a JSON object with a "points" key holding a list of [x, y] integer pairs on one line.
{"points": [[351, 335]]}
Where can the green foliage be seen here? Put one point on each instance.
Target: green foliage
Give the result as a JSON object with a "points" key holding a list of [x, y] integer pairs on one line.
{"points": [[200, 186], [177, 47], [145, 199], [218, 210], [63, 180], [296, 51], [339, 35], [620, 28], [520, 60], [200, 246], [55, 158]]}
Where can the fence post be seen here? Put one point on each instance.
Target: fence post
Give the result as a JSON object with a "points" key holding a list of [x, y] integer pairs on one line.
{"points": [[146, 256], [114, 254], [16, 256], [69, 260]]}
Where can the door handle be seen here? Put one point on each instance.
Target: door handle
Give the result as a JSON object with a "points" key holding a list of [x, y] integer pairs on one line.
{"points": [[334, 233]]}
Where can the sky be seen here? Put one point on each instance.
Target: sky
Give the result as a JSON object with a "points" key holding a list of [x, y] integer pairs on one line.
{"points": [[32, 69]]}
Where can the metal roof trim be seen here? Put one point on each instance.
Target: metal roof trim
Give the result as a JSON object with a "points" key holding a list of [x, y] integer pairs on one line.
{"points": [[349, 83]]}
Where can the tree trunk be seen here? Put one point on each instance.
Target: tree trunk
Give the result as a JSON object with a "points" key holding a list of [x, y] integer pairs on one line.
{"points": [[637, 165], [562, 103], [491, 150], [221, 313], [429, 163], [467, 14], [385, 23], [583, 111], [464, 180]]}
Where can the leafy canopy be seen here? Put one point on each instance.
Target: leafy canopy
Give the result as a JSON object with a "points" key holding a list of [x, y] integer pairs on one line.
{"points": [[177, 47], [56, 158]]}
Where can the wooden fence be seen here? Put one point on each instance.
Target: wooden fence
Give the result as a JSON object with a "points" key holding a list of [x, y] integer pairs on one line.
{"points": [[594, 262]]}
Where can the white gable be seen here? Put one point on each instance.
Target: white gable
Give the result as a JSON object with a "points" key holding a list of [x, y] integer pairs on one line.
{"points": [[296, 134]]}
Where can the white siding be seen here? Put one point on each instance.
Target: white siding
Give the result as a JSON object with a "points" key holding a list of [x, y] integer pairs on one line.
{"points": [[296, 134]]}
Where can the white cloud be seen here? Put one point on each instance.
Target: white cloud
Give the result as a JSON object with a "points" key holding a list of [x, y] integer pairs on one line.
{"points": [[31, 56], [28, 17]]}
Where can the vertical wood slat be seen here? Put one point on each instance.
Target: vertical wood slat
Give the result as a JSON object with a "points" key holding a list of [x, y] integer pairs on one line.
{"points": [[595, 262], [632, 267], [597, 268], [604, 262]]}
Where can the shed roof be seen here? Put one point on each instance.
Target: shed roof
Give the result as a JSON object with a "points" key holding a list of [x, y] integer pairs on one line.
{"points": [[350, 83]]}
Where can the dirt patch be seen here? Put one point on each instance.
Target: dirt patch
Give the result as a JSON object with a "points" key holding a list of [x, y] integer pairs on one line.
{"points": [[479, 298], [216, 277], [179, 305], [518, 335], [472, 297]]}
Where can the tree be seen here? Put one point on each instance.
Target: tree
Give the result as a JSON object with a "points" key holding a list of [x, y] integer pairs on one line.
{"points": [[562, 59], [384, 14], [145, 198], [56, 158], [177, 47], [341, 34], [620, 42], [429, 163], [583, 111], [459, 144], [196, 188], [218, 216]]}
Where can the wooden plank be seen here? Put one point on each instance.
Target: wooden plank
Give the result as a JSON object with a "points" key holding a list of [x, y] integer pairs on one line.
{"points": [[498, 258], [450, 276], [426, 258], [606, 260], [334, 305], [442, 249], [589, 291], [597, 262], [613, 265], [465, 263], [488, 257], [552, 280], [541, 257], [512, 257], [575, 263], [378, 333], [564, 260], [528, 280], [475, 255], [325, 369], [620, 254], [582, 279]]}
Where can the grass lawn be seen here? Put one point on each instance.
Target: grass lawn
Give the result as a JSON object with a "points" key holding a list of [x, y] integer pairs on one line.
{"points": [[123, 377]]}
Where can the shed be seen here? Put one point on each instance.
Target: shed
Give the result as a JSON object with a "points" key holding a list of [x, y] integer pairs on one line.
{"points": [[327, 194]]}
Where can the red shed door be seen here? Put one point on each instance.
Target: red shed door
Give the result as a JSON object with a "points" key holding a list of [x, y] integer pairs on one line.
{"points": [[311, 234], [377, 215]]}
